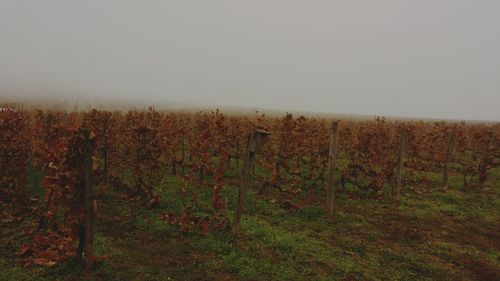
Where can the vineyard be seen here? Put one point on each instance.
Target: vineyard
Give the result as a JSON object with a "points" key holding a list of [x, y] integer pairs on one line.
{"points": [[151, 195]]}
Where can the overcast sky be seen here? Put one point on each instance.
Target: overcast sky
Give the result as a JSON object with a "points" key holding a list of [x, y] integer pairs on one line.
{"points": [[425, 58]]}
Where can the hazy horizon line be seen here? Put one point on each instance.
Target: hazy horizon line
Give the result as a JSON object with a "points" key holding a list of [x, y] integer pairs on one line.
{"points": [[113, 104]]}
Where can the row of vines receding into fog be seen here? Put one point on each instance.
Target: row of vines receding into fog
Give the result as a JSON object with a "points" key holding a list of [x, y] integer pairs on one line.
{"points": [[132, 152]]}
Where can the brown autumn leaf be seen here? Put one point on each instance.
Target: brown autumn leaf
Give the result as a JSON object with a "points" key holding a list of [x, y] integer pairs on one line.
{"points": [[25, 250], [44, 262]]}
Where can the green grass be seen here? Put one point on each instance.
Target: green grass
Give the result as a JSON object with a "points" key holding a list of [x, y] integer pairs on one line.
{"points": [[427, 235]]}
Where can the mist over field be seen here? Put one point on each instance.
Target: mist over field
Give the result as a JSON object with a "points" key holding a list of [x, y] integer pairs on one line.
{"points": [[432, 59], [231, 140]]}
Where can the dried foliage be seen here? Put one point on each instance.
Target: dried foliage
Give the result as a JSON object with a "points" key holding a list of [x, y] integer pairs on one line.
{"points": [[134, 151]]}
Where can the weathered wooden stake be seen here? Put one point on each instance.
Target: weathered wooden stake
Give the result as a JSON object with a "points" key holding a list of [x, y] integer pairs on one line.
{"points": [[183, 153], [332, 161], [246, 174], [105, 151], [486, 160], [238, 157], [48, 124], [88, 203], [397, 188], [451, 143]]}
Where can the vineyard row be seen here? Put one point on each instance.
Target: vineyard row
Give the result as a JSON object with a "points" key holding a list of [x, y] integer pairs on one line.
{"points": [[136, 149]]}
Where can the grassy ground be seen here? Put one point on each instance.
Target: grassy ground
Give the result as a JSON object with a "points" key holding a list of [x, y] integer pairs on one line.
{"points": [[428, 235]]}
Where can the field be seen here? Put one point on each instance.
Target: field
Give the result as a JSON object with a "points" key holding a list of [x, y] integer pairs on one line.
{"points": [[166, 189]]}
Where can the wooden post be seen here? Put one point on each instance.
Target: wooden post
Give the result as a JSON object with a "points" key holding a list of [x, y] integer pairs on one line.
{"points": [[246, 175], [237, 157], [105, 152], [397, 187], [332, 161], [486, 160], [183, 153], [48, 124], [88, 202], [451, 143]]}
